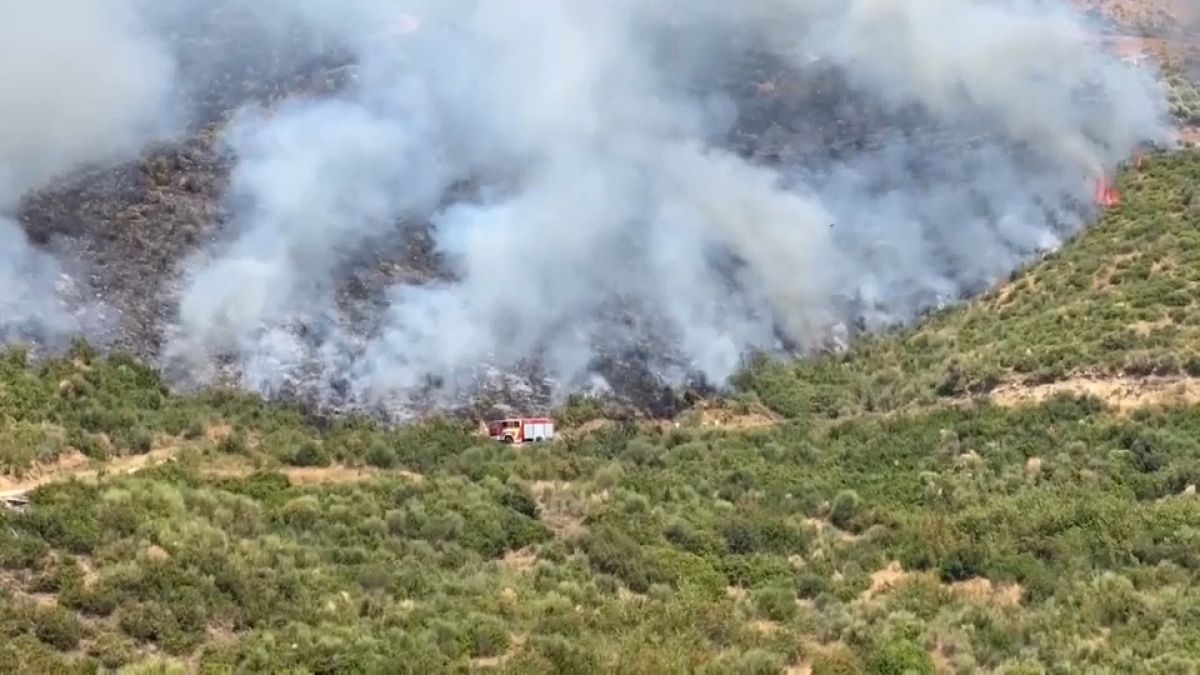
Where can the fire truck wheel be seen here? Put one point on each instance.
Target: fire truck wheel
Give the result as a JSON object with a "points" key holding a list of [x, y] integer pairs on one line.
{"points": [[508, 440]]}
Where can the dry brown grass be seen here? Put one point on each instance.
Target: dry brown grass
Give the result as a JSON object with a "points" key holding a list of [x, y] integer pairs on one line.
{"points": [[515, 645], [562, 508], [74, 465], [1122, 395], [827, 529], [1148, 328], [523, 560], [329, 475], [765, 627], [977, 591], [984, 592], [709, 414], [17, 584], [885, 580], [67, 462], [1103, 277], [218, 432]]}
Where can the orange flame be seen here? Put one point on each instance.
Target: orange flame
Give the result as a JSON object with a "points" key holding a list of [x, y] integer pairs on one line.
{"points": [[1106, 194]]}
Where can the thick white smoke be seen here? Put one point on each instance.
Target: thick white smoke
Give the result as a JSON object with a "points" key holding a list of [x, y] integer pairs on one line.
{"points": [[80, 82], [603, 183], [606, 211]]}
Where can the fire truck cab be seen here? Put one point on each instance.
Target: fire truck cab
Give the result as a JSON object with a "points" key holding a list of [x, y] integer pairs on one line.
{"points": [[517, 430]]}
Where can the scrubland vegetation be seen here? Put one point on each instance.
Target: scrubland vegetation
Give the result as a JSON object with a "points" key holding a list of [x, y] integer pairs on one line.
{"points": [[1184, 98], [1120, 299], [886, 516]]}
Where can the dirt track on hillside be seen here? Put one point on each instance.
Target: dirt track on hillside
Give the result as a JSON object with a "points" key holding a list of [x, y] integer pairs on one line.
{"points": [[1121, 395], [74, 466]]}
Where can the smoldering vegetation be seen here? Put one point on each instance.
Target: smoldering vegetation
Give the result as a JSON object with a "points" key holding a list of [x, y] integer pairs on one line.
{"points": [[405, 207]]}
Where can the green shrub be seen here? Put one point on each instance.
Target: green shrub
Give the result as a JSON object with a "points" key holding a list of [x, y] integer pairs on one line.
{"points": [[847, 506], [757, 571], [58, 628], [741, 537], [776, 604], [836, 660], [809, 585], [565, 656], [309, 453], [518, 500], [753, 662], [900, 658], [233, 444], [487, 636], [381, 456], [609, 476], [148, 622], [612, 552], [682, 569], [113, 651]]}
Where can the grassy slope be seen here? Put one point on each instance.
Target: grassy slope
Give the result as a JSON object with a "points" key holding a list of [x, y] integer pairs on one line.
{"points": [[1120, 299], [1039, 539]]}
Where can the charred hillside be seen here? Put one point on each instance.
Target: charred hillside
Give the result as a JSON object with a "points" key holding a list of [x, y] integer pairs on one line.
{"points": [[364, 212], [133, 225]]}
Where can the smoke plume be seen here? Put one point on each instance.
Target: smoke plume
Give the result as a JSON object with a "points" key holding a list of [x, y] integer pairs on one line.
{"points": [[80, 82], [604, 188], [598, 179]]}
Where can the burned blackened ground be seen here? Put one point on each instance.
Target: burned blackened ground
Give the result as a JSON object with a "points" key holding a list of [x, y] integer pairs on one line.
{"points": [[135, 225], [131, 225]]}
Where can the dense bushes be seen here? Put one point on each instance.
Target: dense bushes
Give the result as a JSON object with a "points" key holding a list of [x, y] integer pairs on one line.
{"points": [[538, 559], [1051, 537]]}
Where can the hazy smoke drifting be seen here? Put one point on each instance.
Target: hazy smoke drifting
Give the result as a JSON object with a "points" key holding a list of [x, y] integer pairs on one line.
{"points": [[80, 82], [607, 210], [603, 182]]}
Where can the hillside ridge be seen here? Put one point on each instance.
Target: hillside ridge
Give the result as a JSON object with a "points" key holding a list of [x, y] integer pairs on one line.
{"points": [[1007, 486]]}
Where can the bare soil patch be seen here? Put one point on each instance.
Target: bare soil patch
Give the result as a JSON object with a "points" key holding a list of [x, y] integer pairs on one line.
{"points": [[1148, 328], [337, 474], [66, 462], [76, 465], [828, 529], [765, 627], [522, 560], [1189, 136], [1103, 277], [218, 432], [886, 579], [17, 584], [1121, 394], [329, 475], [516, 644], [735, 418], [983, 591], [978, 590], [561, 508]]}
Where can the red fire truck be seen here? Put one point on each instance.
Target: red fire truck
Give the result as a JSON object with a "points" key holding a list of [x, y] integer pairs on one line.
{"points": [[521, 430]]}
